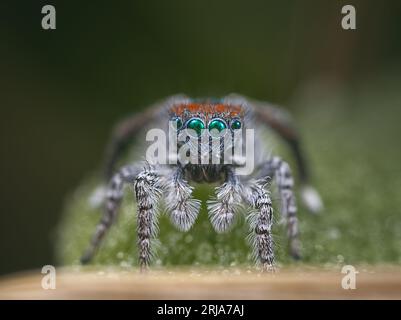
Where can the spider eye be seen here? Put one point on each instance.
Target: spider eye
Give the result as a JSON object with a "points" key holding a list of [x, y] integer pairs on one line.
{"points": [[236, 124], [197, 125], [178, 122], [217, 124]]}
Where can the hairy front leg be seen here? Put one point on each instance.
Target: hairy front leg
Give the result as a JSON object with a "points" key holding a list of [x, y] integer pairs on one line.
{"points": [[260, 221], [147, 191], [223, 208], [182, 208], [114, 195]]}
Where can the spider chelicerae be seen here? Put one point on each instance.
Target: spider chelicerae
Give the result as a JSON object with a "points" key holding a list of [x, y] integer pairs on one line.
{"points": [[171, 181]]}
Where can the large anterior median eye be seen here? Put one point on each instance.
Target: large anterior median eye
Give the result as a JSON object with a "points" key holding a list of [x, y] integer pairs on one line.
{"points": [[197, 125], [217, 124]]}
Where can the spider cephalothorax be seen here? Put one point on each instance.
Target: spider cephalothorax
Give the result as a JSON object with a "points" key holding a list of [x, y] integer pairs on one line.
{"points": [[202, 123], [211, 126], [216, 115]]}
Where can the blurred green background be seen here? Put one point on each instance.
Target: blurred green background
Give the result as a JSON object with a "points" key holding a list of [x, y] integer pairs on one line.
{"points": [[63, 90]]}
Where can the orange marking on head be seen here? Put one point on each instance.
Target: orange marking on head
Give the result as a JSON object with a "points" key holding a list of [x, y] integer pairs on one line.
{"points": [[208, 108], [235, 111], [193, 107], [220, 108]]}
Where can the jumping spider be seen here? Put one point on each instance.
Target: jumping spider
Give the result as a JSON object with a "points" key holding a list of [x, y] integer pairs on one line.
{"points": [[151, 183]]}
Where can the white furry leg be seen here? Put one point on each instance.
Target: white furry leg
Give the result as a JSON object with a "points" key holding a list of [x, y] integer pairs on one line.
{"points": [[182, 208], [223, 208]]}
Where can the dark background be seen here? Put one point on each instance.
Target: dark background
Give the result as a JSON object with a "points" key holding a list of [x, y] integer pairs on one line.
{"points": [[62, 90]]}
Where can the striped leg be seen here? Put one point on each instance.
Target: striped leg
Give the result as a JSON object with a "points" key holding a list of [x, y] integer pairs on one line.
{"points": [[147, 191], [280, 170], [114, 195], [261, 222], [282, 123]]}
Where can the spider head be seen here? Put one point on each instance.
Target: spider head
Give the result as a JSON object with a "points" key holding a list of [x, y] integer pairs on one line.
{"points": [[206, 127]]}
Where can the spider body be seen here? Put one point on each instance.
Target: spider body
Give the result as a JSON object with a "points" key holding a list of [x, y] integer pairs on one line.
{"points": [[207, 114], [203, 118]]}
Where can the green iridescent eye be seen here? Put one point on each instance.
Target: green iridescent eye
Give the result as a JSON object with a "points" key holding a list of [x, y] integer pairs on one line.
{"points": [[236, 124], [217, 124], [197, 125], [178, 122]]}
